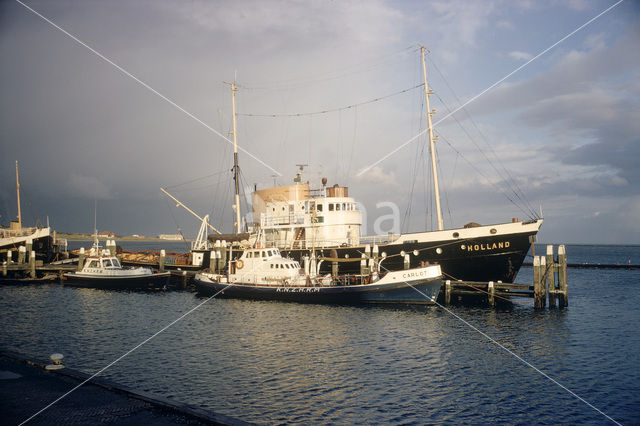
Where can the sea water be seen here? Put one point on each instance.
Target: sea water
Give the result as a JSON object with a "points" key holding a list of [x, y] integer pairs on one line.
{"points": [[273, 362]]}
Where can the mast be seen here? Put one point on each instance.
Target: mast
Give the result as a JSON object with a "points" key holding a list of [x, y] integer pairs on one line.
{"points": [[432, 140], [236, 207], [18, 192]]}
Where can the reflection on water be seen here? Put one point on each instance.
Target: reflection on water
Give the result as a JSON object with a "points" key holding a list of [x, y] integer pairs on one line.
{"points": [[271, 362]]}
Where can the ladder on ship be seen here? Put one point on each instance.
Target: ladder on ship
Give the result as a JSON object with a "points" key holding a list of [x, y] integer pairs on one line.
{"points": [[297, 242]]}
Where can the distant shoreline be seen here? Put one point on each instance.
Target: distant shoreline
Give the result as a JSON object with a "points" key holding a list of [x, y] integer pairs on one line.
{"points": [[89, 237]]}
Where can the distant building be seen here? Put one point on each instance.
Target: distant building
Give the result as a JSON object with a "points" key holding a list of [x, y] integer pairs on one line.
{"points": [[174, 237], [107, 234]]}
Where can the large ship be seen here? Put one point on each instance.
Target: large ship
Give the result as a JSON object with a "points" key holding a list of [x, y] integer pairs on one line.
{"points": [[299, 220], [324, 224]]}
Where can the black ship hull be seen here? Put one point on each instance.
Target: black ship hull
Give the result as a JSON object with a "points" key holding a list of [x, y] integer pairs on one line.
{"points": [[153, 281], [494, 257]]}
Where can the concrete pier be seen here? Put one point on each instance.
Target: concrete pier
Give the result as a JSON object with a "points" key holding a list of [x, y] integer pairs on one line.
{"points": [[26, 388]]}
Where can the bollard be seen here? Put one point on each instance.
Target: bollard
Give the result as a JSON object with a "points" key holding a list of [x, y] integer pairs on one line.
{"points": [[163, 254], [537, 283], [81, 259], [29, 245], [32, 264], [552, 269], [334, 264], [492, 293], [22, 252], [563, 301]]}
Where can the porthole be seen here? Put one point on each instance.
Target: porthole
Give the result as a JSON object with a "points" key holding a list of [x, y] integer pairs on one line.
{"points": [[493, 230], [439, 250], [456, 235]]}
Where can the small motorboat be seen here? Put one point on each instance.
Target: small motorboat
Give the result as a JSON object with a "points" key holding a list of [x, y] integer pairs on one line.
{"points": [[103, 270], [262, 273]]}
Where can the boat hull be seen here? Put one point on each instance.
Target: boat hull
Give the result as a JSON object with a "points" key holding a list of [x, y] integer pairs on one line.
{"points": [[152, 281], [490, 257], [418, 292]]}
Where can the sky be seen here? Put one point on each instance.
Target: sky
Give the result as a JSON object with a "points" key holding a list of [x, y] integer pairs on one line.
{"points": [[135, 97]]}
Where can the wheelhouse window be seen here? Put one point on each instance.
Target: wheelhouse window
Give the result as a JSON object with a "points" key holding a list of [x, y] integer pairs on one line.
{"points": [[319, 207], [331, 206], [93, 264], [106, 263]]}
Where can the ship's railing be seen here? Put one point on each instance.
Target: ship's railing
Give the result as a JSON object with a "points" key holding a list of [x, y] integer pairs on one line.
{"points": [[289, 219], [12, 233], [379, 239]]}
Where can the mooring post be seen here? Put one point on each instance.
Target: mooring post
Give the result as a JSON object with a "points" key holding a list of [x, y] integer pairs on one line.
{"points": [[492, 293], [447, 292], [22, 251], [334, 265], [32, 264], [407, 261], [544, 276], [80, 258], [363, 264], [538, 294], [4, 268], [9, 257], [163, 254], [562, 277], [29, 246], [551, 275]]}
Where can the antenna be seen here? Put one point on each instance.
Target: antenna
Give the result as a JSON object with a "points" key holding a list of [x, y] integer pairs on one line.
{"points": [[298, 178]]}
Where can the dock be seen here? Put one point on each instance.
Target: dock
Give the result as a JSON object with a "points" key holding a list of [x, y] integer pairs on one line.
{"points": [[26, 388], [549, 284]]}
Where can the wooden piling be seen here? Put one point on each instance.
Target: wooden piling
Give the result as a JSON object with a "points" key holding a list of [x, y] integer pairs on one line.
{"points": [[538, 272], [163, 254], [9, 258], [80, 258], [32, 264], [551, 270], [447, 292], [22, 251], [492, 293], [4, 268], [407, 261], [563, 291]]}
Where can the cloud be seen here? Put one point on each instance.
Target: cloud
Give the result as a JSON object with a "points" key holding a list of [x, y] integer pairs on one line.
{"points": [[89, 187], [521, 56], [377, 176]]}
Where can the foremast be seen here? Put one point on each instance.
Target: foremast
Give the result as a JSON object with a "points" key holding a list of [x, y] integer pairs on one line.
{"points": [[236, 206], [432, 139]]}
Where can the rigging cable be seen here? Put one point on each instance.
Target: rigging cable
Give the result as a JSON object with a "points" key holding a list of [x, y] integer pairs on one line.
{"points": [[511, 182], [302, 114]]}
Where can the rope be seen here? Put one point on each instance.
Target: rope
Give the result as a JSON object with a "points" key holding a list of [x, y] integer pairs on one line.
{"points": [[302, 114]]}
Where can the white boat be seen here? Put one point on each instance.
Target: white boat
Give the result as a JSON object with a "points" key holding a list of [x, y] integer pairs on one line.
{"points": [[103, 270], [262, 273]]}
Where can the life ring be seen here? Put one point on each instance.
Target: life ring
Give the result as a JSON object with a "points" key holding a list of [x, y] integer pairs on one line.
{"points": [[240, 264]]}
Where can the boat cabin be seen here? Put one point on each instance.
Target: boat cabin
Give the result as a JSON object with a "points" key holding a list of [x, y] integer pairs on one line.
{"points": [[265, 266], [99, 264], [295, 216]]}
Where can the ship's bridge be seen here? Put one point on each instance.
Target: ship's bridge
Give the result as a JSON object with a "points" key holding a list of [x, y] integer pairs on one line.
{"points": [[294, 216]]}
